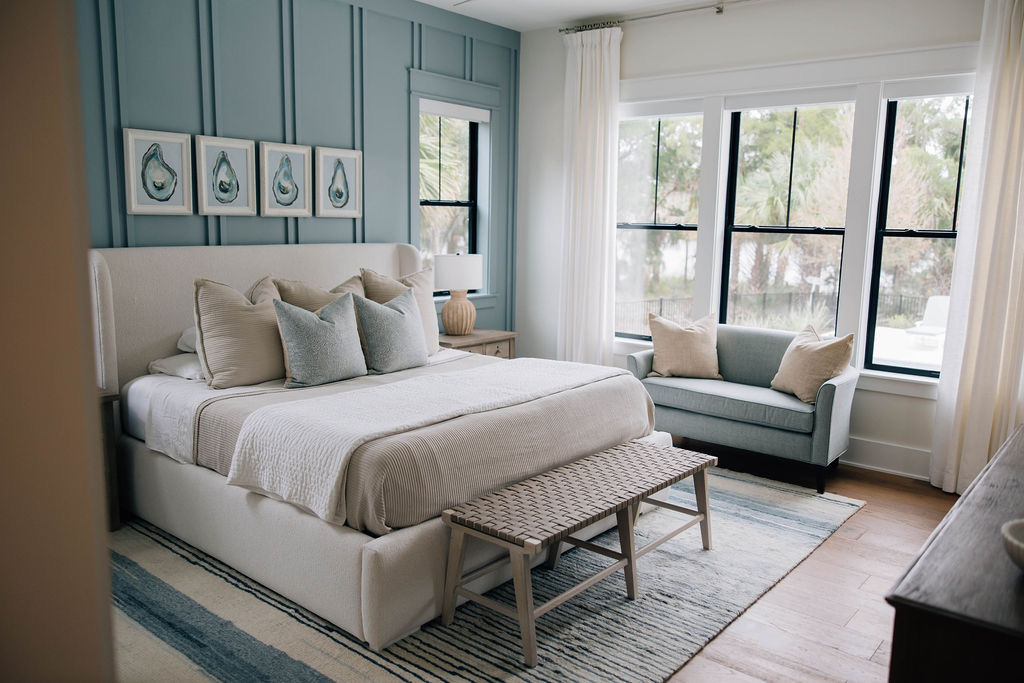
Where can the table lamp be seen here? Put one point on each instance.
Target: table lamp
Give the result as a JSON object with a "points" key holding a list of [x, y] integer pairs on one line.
{"points": [[458, 273]]}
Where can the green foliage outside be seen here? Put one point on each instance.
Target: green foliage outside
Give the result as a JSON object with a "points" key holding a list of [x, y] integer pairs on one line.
{"points": [[444, 175]]}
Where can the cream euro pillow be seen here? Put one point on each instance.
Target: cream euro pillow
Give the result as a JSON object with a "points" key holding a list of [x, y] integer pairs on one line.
{"points": [[809, 362], [237, 339], [382, 289], [312, 298], [687, 350]]}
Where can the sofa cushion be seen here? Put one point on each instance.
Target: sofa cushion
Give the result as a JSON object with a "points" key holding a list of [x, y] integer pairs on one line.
{"points": [[741, 402], [751, 355]]}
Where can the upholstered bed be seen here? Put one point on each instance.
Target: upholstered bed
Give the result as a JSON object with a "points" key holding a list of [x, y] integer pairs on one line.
{"points": [[379, 575]]}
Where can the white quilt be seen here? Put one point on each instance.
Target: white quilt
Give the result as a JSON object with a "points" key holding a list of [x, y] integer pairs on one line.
{"points": [[299, 451]]}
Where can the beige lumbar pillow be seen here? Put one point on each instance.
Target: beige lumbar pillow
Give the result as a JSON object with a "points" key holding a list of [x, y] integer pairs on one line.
{"points": [[313, 298], [237, 339], [687, 350], [809, 362], [382, 289]]}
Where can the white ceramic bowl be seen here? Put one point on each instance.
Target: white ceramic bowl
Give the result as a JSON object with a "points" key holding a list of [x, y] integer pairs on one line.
{"points": [[1013, 541]]}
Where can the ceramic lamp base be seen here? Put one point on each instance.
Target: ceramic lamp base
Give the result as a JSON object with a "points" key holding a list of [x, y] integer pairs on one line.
{"points": [[459, 314]]}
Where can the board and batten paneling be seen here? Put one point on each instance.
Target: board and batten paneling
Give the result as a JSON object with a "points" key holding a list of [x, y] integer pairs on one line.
{"points": [[310, 72]]}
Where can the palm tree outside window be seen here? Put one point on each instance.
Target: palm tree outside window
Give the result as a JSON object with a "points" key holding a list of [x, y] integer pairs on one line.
{"points": [[448, 184]]}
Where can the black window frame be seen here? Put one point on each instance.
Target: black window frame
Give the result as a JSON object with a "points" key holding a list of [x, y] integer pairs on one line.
{"points": [[882, 231], [655, 225], [471, 202], [730, 214]]}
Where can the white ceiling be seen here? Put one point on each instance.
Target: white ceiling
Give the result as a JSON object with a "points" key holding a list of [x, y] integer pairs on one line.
{"points": [[527, 15]]}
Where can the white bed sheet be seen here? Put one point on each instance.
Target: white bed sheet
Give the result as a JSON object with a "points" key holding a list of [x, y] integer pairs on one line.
{"points": [[160, 409]]}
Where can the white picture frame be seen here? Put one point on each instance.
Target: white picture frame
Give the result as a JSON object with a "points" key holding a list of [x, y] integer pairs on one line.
{"points": [[337, 168], [296, 162], [225, 176], [157, 172]]}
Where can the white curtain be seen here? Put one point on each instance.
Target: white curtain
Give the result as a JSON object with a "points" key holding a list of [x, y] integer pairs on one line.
{"points": [[587, 295], [981, 393]]}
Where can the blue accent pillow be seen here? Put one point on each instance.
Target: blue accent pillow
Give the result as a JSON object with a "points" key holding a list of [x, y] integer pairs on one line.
{"points": [[393, 332], [320, 348]]}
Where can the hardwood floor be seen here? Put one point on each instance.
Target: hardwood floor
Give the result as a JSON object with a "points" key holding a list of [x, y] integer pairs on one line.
{"points": [[828, 620]]}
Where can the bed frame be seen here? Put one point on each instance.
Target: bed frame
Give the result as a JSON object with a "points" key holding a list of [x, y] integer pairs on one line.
{"points": [[378, 589]]}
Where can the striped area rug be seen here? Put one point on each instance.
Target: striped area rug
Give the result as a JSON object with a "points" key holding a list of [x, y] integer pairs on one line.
{"points": [[182, 615]]}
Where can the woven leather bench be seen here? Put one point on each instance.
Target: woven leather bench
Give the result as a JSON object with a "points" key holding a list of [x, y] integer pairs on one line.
{"points": [[540, 513]]}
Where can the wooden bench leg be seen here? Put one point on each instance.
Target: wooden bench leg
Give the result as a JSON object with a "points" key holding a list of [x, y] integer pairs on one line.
{"points": [[524, 604], [628, 548], [456, 556], [554, 552], [700, 488]]}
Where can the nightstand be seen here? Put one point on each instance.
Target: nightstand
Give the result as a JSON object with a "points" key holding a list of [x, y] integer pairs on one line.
{"points": [[499, 343], [107, 403]]}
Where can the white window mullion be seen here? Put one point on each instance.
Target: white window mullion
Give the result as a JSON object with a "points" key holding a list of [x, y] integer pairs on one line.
{"points": [[861, 203], [714, 166]]}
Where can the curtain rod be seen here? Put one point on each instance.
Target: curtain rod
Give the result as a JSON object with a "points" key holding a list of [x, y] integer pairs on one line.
{"points": [[719, 7]]}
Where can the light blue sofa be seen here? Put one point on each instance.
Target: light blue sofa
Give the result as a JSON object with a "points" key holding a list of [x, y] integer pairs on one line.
{"points": [[742, 411]]}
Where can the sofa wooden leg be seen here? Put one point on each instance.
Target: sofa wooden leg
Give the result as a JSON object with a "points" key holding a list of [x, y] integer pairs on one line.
{"points": [[820, 472]]}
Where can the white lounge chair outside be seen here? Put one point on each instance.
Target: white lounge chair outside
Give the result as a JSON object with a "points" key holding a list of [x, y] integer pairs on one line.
{"points": [[936, 311]]}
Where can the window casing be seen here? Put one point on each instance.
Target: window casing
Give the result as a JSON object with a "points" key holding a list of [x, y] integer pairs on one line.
{"points": [[785, 215], [915, 234], [659, 175]]}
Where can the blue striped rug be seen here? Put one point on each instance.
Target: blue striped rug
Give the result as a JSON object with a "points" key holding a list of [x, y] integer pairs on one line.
{"points": [[182, 615]]}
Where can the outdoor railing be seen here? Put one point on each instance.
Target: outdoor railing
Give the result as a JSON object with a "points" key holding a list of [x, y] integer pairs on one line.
{"points": [[766, 307]]}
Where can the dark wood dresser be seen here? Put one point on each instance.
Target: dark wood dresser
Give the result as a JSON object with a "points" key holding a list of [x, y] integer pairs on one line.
{"points": [[960, 604]]}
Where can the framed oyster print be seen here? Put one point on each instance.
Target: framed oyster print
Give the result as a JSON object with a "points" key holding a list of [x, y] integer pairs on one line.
{"points": [[285, 179], [339, 182], [157, 172], [225, 176]]}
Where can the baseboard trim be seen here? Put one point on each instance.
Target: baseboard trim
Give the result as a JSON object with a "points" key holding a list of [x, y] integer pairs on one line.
{"points": [[891, 458]]}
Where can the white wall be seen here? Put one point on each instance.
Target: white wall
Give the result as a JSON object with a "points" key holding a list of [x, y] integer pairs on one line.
{"points": [[774, 31], [892, 421]]}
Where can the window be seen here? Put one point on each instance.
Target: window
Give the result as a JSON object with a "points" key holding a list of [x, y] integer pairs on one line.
{"points": [[656, 240], [915, 234], [448, 184], [785, 216]]}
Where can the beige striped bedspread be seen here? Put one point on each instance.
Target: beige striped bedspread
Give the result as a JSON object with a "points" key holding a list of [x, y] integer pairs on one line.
{"points": [[404, 479]]}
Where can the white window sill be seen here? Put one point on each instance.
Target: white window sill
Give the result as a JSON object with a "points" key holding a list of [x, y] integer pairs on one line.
{"points": [[624, 346], [481, 300], [902, 385], [870, 380]]}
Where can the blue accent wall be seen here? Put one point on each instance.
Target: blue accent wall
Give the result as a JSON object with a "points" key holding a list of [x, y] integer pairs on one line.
{"points": [[310, 72]]}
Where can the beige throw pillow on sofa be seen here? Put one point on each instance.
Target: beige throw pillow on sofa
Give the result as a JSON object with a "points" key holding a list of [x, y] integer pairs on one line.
{"points": [[687, 350], [237, 340], [313, 298], [382, 289], [809, 362]]}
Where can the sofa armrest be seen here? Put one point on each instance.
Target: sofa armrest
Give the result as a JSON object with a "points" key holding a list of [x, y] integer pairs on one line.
{"points": [[831, 435], [640, 363]]}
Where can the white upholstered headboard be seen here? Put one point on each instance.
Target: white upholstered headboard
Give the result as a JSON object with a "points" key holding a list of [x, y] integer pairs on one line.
{"points": [[142, 296]]}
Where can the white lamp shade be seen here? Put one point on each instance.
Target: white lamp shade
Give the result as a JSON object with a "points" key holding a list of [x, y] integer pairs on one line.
{"points": [[458, 271]]}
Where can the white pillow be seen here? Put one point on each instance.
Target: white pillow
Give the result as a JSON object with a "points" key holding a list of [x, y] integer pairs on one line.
{"points": [[182, 365], [187, 340]]}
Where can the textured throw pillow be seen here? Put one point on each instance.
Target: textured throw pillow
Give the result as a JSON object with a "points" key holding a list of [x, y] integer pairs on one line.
{"points": [[381, 288], [687, 350], [312, 298], [393, 332], [809, 362], [320, 348], [184, 365], [236, 339]]}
